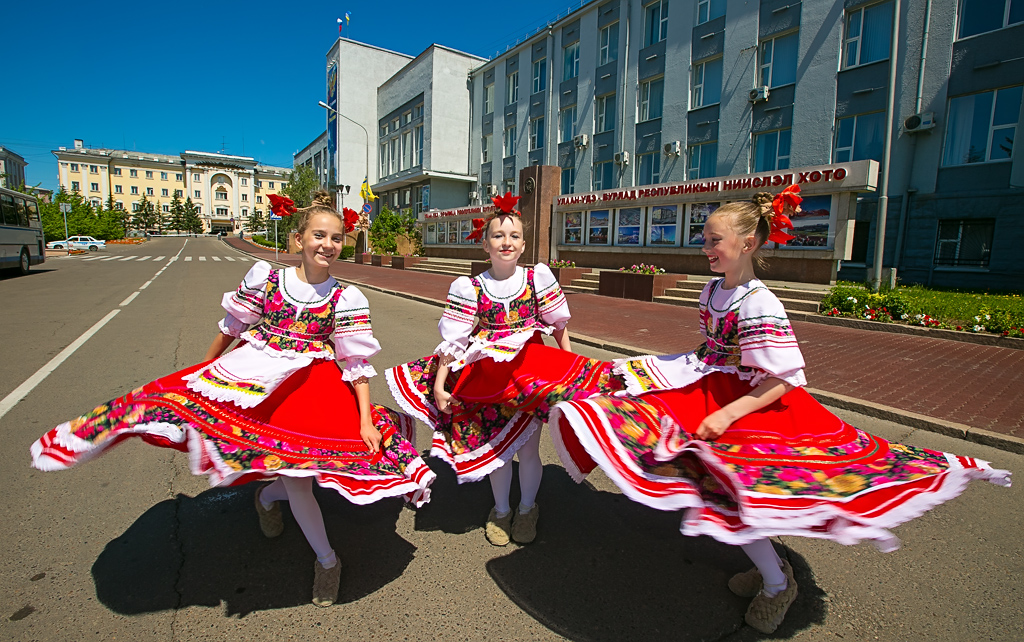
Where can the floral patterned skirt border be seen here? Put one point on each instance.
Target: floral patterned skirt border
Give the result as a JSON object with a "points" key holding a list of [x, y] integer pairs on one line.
{"points": [[293, 433], [792, 468]]}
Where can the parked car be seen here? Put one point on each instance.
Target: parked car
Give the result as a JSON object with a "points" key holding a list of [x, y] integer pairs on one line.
{"points": [[78, 243]]}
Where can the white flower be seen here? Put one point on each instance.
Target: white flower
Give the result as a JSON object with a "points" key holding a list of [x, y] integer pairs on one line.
{"points": [[988, 317], [979, 328], [977, 318], [850, 298]]}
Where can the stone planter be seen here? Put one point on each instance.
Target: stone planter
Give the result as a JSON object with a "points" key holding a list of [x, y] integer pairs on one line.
{"points": [[381, 260], [641, 287], [566, 276], [363, 258], [479, 267], [405, 262]]}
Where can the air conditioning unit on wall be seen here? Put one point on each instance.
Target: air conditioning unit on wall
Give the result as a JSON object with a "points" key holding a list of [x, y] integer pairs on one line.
{"points": [[919, 122], [580, 141], [472, 196], [758, 94], [673, 148], [622, 158], [492, 190]]}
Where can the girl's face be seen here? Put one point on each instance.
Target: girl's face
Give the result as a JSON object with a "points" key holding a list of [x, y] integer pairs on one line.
{"points": [[726, 250], [321, 243], [504, 241]]}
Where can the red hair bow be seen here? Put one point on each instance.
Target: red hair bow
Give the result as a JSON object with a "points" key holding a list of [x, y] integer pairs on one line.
{"points": [[786, 201], [479, 224], [281, 205], [351, 219], [506, 204]]}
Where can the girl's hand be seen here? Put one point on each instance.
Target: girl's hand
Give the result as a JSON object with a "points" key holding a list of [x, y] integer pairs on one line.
{"points": [[442, 399], [370, 436], [714, 425]]}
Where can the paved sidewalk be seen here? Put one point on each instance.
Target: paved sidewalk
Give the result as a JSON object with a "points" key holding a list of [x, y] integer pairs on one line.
{"points": [[977, 386]]}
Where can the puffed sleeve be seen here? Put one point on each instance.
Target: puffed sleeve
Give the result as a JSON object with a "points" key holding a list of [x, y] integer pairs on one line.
{"points": [[353, 336], [551, 303], [766, 338], [456, 323], [244, 306]]}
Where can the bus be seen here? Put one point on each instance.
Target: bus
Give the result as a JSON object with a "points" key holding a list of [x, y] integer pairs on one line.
{"points": [[21, 231]]}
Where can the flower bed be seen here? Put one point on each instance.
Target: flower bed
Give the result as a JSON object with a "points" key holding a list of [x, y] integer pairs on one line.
{"points": [[637, 286], [402, 262], [363, 258], [129, 241], [919, 306], [642, 268], [381, 260]]}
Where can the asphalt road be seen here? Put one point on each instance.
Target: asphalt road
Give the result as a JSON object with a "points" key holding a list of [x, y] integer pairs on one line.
{"points": [[132, 546]]}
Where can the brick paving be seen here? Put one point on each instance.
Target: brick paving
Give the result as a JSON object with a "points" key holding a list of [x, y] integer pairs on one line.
{"points": [[980, 386]]}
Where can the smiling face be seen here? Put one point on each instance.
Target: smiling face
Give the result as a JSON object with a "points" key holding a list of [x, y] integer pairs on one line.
{"points": [[503, 240], [321, 241], [727, 251]]}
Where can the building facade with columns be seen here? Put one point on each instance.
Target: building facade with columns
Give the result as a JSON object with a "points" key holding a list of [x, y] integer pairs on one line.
{"points": [[226, 189]]}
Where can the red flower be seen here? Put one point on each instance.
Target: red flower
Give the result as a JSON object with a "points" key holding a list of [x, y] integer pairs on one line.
{"points": [[281, 205], [506, 204], [788, 197], [351, 219], [478, 229], [788, 200]]}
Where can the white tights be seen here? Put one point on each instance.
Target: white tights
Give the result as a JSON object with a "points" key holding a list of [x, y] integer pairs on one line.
{"points": [[298, 492], [764, 557], [530, 472]]}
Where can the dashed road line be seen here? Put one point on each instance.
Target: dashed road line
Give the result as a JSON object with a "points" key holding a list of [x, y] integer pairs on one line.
{"points": [[188, 258]]}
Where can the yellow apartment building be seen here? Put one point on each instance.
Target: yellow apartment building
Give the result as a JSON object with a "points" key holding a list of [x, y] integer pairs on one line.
{"points": [[226, 189]]}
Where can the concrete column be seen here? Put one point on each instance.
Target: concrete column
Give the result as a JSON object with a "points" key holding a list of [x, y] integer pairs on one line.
{"points": [[539, 185]]}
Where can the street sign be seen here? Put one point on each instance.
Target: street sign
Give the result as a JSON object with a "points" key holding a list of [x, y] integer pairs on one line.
{"points": [[65, 207], [367, 208], [275, 217]]}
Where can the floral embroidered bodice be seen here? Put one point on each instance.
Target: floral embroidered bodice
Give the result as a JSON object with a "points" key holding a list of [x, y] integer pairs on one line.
{"points": [[497, 318], [288, 325], [721, 328]]}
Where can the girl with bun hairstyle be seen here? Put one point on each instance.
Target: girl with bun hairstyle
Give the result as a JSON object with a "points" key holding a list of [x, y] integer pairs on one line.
{"points": [[728, 433], [290, 404]]}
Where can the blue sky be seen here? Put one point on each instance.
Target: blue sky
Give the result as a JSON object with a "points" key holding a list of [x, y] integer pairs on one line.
{"points": [[245, 77]]}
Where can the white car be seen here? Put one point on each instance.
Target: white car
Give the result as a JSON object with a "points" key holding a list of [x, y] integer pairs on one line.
{"points": [[78, 243]]}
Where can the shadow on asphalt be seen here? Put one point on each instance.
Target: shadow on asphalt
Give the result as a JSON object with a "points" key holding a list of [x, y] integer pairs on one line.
{"points": [[606, 568], [208, 550], [13, 273]]}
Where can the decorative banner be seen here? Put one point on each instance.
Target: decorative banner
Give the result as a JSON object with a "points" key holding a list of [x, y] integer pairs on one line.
{"points": [[332, 122]]}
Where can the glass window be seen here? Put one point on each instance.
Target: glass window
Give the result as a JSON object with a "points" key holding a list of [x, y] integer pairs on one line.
{"points": [[117, 189], [135, 190], [771, 151], [177, 177], [195, 177], [868, 34], [708, 10], [965, 243], [648, 168], [664, 225], [627, 225], [94, 187], [778, 60], [860, 137], [407, 150], [488, 99], [149, 192], [604, 175], [392, 156], [512, 88], [510, 141], [417, 141], [609, 44], [598, 224], [406, 118], [536, 133], [707, 83], [417, 111], [566, 124], [604, 114], [572, 229], [981, 127], [568, 180], [198, 194], [383, 159], [93, 169], [979, 16], [117, 172], [702, 161], [166, 192], [571, 61], [697, 215], [431, 236], [652, 95], [453, 232], [485, 148], [656, 22], [74, 167], [540, 75], [163, 176], [134, 173], [149, 174]]}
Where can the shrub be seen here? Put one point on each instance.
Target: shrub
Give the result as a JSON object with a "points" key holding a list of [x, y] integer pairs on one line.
{"points": [[282, 241], [348, 251], [562, 264], [643, 269]]}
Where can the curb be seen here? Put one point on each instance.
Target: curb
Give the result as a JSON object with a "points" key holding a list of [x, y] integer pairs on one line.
{"points": [[981, 436]]}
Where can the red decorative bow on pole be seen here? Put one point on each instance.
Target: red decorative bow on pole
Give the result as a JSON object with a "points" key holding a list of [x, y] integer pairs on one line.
{"points": [[785, 203], [281, 205], [351, 219], [479, 224], [506, 204]]}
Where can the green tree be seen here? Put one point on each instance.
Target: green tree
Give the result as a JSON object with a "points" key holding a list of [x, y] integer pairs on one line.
{"points": [[142, 217], [176, 221], [302, 185], [193, 223], [387, 225], [255, 221], [82, 218]]}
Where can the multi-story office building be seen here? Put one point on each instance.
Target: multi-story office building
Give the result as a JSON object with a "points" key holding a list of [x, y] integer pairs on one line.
{"points": [[225, 189], [12, 169], [623, 94]]}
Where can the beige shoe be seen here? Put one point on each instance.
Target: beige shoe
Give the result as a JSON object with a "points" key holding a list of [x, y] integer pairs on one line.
{"points": [[271, 521], [766, 613], [325, 584], [497, 529], [749, 583], [524, 527]]}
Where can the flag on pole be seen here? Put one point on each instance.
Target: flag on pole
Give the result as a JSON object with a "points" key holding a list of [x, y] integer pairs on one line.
{"points": [[366, 192], [339, 26]]}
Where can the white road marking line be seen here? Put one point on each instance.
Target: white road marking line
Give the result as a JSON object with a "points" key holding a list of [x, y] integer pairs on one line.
{"points": [[159, 258], [22, 391], [215, 258], [145, 258], [111, 258], [93, 258], [128, 258], [188, 258], [229, 258], [202, 258], [131, 297], [146, 284]]}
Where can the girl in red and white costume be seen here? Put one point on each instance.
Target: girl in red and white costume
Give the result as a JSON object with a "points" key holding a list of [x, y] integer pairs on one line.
{"points": [[729, 434], [491, 382]]}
